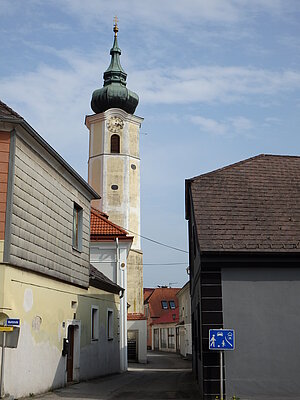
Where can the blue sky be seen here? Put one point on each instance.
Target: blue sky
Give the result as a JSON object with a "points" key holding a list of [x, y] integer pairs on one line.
{"points": [[218, 81]]}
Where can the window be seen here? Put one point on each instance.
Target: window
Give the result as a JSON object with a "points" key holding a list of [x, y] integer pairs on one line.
{"points": [[77, 227], [110, 325], [164, 304], [172, 304], [94, 323], [115, 144]]}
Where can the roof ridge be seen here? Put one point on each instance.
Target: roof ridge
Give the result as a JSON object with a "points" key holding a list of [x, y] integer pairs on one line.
{"points": [[233, 165]]}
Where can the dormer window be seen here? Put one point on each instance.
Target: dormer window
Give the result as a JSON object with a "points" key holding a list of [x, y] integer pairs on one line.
{"points": [[172, 304], [115, 144], [164, 304]]}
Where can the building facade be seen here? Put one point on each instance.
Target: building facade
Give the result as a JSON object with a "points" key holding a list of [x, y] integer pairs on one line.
{"points": [[244, 250], [68, 314], [184, 326]]}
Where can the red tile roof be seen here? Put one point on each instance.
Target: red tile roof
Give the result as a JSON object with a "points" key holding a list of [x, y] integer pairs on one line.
{"points": [[168, 317], [147, 293], [103, 229], [135, 316], [250, 206], [158, 295]]}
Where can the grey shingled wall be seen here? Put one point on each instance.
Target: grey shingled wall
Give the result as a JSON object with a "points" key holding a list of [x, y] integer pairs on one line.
{"points": [[42, 215]]}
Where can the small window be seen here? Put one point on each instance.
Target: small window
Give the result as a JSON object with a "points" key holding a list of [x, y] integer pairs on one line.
{"points": [[172, 304], [77, 227], [115, 144], [164, 304], [94, 323], [110, 325]]}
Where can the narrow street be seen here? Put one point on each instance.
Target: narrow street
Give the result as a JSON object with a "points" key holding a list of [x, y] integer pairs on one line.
{"points": [[166, 376]]}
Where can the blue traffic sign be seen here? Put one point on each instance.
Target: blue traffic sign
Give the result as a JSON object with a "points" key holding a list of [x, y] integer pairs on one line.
{"points": [[13, 322], [221, 339]]}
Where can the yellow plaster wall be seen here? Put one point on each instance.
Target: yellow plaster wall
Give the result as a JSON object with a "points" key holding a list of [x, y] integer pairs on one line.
{"points": [[96, 147], [134, 184], [135, 282], [45, 304], [115, 176], [133, 140], [1, 250], [96, 175]]}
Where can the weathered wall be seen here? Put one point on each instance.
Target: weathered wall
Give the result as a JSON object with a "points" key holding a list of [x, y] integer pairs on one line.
{"points": [[262, 305], [135, 295], [45, 308], [141, 327], [42, 218], [118, 170]]}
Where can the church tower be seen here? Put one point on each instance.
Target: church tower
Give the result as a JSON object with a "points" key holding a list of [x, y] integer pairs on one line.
{"points": [[114, 163]]}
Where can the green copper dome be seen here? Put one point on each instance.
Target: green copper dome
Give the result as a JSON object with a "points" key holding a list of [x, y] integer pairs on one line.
{"points": [[114, 93]]}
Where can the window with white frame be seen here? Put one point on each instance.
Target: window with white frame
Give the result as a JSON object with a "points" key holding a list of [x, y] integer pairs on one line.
{"points": [[110, 324], [77, 227], [94, 323]]}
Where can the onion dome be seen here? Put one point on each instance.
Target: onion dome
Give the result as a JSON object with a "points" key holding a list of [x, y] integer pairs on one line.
{"points": [[114, 93]]}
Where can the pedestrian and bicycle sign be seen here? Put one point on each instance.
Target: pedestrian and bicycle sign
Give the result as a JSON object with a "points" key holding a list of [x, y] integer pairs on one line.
{"points": [[221, 339]]}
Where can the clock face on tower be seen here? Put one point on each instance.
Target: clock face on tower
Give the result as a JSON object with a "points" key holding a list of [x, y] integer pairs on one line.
{"points": [[115, 124]]}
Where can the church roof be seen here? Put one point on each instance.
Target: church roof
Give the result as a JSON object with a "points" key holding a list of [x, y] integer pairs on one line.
{"points": [[114, 93], [250, 206], [103, 229]]}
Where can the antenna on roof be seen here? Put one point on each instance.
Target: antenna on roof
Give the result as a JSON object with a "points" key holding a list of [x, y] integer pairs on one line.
{"points": [[172, 283]]}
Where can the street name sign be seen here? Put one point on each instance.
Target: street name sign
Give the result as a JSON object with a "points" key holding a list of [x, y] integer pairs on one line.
{"points": [[221, 339], [13, 322]]}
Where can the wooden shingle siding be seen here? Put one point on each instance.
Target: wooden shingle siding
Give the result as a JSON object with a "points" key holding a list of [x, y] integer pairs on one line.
{"points": [[4, 162], [42, 219]]}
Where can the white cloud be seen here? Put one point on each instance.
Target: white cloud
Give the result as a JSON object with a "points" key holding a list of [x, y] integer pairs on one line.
{"points": [[212, 84], [231, 126], [210, 125]]}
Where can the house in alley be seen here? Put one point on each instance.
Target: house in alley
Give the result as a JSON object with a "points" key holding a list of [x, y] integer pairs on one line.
{"points": [[67, 312], [161, 310], [244, 249]]}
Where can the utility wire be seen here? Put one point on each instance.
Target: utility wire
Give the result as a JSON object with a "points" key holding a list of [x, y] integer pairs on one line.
{"points": [[165, 264], [159, 243]]}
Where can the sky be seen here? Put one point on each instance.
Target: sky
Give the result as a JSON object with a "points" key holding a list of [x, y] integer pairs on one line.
{"points": [[218, 82]]}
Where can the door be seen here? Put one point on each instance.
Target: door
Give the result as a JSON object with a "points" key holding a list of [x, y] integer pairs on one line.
{"points": [[156, 339], [132, 345], [70, 355]]}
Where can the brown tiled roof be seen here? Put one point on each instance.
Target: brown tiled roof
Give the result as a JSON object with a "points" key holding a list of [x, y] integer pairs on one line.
{"points": [[101, 281], [8, 112], [103, 229], [252, 206]]}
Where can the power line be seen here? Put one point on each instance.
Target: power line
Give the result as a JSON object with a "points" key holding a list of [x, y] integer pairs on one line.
{"points": [[159, 243], [165, 264]]}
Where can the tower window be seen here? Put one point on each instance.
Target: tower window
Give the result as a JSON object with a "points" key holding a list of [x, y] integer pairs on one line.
{"points": [[115, 144]]}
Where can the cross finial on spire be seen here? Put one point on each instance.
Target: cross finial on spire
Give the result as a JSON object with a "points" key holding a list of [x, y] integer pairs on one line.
{"points": [[116, 29]]}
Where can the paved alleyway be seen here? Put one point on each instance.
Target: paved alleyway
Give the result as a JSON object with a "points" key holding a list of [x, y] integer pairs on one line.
{"points": [[166, 376]]}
